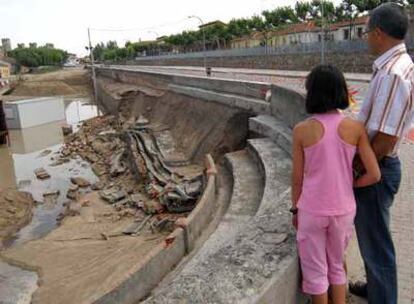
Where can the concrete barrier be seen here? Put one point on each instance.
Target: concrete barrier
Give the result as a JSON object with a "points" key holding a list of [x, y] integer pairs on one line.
{"points": [[238, 87], [269, 126], [283, 288], [233, 101], [275, 165], [288, 105], [202, 215], [144, 276]]}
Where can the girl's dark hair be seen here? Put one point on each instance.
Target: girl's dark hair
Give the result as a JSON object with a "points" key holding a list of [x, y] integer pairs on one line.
{"points": [[327, 90]]}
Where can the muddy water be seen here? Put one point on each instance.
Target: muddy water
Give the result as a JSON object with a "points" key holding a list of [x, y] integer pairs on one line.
{"points": [[17, 163]]}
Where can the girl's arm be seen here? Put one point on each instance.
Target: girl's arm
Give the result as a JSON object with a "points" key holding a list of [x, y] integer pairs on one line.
{"points": [[372, 173], [298, 167]]}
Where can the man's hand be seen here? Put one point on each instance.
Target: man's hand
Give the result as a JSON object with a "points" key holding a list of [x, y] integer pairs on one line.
{"points": [[383, 144]]}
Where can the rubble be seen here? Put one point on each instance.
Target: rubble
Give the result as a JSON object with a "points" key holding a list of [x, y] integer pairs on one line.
{"points": [[50, 197], [59, 162], [80, 181], [152, 207], [73, 192], [67, 129], [45, 153], [41, 173], [112, 195], [98, 186], [130, 159]]}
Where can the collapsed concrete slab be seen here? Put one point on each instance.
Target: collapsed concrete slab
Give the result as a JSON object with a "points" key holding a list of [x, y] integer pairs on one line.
{"points": [[251, 256]]}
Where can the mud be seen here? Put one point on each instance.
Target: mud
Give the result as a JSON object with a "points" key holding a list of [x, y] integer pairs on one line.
{"points": [[86, 256], [75, 81], [15, 212]]}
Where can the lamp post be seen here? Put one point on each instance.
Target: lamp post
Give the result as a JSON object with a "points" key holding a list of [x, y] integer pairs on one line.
{"points": [[156, 34], [323, 35], [204, 43], [95, 89]]}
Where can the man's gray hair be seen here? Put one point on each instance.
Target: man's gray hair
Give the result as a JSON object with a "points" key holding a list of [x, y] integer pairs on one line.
{"points": [[389, 18]]}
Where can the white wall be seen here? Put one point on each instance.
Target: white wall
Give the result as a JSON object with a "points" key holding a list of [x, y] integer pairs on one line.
{"points": [[37, 111]]}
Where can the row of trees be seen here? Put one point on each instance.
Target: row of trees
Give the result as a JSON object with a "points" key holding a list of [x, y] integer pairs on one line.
{"points": [[219, 35], [111, 51], [34, 56]]}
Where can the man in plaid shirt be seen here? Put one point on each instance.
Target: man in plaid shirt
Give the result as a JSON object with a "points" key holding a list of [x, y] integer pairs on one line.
{"points": [[387, 113]]}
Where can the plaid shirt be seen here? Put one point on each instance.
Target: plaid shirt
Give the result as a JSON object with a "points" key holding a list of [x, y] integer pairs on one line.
{"points": [[388, 107]]}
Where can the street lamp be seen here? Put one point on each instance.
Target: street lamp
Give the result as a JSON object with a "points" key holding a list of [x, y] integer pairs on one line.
{"points": [[156, 36], [204, 41], [95, 89], [323, 35]]}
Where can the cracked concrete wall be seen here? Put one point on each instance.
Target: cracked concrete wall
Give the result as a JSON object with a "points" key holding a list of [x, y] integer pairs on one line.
{"points": [[198, 127]]}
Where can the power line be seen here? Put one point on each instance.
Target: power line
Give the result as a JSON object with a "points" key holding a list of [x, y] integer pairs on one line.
{"points": [[137, 29]]}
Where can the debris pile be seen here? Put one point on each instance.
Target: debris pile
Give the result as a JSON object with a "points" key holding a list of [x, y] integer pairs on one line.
{"points": [[174, 191], [134, 176]]}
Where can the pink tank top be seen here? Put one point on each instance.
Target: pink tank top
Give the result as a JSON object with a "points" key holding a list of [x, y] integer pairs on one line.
{"points": [[328, 180]]}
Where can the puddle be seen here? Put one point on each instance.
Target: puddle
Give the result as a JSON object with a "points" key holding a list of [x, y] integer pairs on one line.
{"points": [[16, 285], [17, 164], [44, 215]]}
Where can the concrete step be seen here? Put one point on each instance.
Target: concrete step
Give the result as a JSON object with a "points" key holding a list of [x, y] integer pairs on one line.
{"points": [[247, 184], [275, 165], [254, 105], [210, 273], [269, 126], [250, 257]]}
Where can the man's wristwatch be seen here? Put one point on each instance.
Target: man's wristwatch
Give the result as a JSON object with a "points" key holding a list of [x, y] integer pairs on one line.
{"points": [[293, 210]]}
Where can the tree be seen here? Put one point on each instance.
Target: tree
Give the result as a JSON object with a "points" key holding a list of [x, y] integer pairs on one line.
{"points": [[33, 45], [34, 56], [98, 51], [238, 27], [303, 10], [280, 16], [112, 45]]}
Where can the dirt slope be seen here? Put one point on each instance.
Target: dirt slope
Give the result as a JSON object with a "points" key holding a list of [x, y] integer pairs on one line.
{"points": [[73, 81]]}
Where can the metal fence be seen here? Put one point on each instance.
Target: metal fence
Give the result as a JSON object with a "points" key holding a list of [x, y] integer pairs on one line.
{"points": [[347, 46]]}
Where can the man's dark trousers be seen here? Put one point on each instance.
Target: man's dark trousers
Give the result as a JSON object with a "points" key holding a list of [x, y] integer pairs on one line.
{"points": [[372, 224]]}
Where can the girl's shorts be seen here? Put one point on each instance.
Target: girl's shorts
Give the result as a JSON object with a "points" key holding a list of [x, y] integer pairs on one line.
{"points": [[322, 241]]}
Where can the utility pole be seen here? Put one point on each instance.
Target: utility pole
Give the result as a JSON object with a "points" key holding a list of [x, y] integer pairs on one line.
{"points": [[204, 42], [156, 37], [95, 89], [323, 35]]}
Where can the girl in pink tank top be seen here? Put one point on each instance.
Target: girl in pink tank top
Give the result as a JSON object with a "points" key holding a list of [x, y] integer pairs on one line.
{"points": [[323, 203]]}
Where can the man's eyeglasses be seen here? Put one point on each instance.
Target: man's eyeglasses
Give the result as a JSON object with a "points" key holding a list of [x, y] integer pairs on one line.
{"points": [[365, 33]]}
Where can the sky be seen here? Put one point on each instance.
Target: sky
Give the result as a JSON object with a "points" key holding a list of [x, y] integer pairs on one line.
{"points": [[65, 22]]}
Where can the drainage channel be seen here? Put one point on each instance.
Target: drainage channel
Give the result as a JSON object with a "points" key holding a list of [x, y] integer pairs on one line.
{"points": [[30, 149]]}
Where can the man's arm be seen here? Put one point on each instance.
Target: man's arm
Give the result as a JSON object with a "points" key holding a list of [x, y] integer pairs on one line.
{"points": [[382, 144]]}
